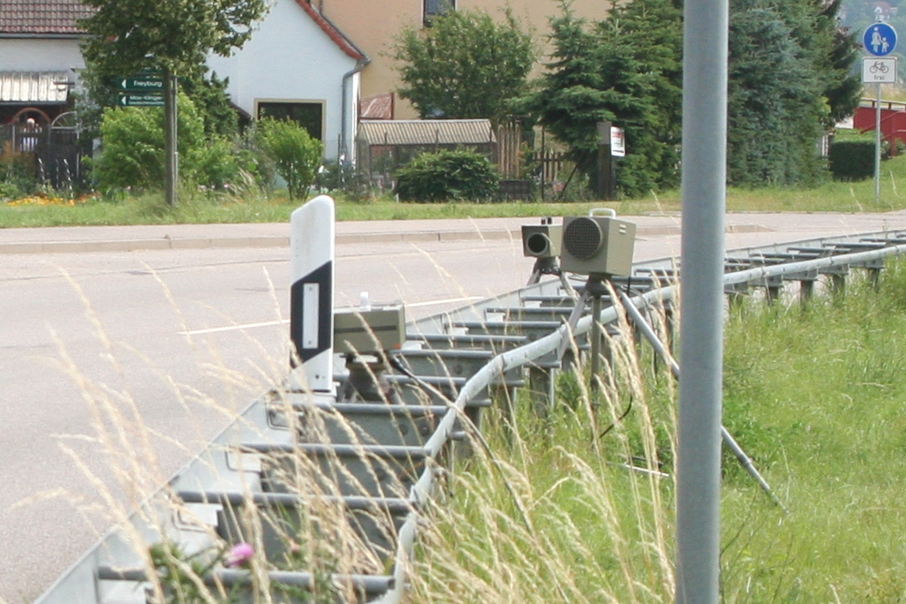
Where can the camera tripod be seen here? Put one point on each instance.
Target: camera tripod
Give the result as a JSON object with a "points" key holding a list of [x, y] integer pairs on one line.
{"points": [[595, 289]]}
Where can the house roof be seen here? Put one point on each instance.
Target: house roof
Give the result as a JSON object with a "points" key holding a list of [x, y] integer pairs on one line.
{"points": [[332, 31], [62, 17], [426, 132], [378, 107], [42, 16]]}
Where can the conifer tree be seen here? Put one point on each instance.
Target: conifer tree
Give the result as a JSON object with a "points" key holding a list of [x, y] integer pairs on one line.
{"points": [[789, 82], [626, 70], [843, 86], [790, 79]]}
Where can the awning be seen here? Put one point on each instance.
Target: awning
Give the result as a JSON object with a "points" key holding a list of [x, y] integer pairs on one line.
{"points": [[426, 132], [34, 87]]}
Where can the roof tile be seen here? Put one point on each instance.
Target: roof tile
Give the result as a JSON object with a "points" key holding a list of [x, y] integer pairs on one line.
{"points": [[42, 16]]}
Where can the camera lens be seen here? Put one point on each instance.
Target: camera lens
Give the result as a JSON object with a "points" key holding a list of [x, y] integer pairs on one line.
{"points": [[538, 243]]}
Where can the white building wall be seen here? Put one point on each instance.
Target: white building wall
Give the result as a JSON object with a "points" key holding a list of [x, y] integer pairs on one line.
{"points": [[40, 54], [289, 58]]}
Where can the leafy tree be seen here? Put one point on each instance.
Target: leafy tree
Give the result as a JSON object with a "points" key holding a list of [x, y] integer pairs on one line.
{"points": [[172, 37], [127, 36], [466, 65], [294, 153]]}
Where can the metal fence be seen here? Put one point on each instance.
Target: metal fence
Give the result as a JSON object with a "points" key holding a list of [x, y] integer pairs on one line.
{"points": [[55, 149]]}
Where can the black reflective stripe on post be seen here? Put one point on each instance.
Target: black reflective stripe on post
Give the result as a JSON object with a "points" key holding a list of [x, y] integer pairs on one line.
{"points": [[311, 313]]}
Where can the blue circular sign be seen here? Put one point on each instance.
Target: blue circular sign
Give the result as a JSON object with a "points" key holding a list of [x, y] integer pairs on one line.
{"points": [[880, 39]]}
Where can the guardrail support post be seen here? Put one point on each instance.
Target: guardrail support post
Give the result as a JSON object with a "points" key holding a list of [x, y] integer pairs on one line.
{"points": [[806, 290], [542, 388], [874, 277], [838, 284]]}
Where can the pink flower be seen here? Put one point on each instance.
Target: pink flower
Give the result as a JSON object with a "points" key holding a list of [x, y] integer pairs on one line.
{"points": [[240, 554]]}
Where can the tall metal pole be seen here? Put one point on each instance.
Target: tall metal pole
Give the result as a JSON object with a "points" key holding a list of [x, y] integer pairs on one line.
{"points": [[878, 147], [701, 346]]}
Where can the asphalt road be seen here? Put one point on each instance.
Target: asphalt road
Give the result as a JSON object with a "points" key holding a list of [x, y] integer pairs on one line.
{"points": [[150, 351]]}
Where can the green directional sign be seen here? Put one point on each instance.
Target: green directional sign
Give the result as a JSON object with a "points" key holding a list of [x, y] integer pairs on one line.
{"points": [[142, 83], [141, 100]]}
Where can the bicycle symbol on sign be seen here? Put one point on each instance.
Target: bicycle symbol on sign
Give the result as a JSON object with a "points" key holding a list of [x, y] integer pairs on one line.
{"points": [[879, 67]]}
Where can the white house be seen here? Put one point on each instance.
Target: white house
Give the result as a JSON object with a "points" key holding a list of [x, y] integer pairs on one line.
{"points": [[39, 57], [298, 65]]}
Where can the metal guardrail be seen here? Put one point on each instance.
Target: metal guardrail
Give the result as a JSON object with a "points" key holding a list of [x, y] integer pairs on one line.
{"points": [[370, 461]]}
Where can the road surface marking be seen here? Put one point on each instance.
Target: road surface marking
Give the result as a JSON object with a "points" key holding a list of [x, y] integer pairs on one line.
{"points": [[240, 326]]}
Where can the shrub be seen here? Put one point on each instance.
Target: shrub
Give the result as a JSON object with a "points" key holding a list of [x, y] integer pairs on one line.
{"points": [[852, 159], [9, 191], [132, 155], [17, 172], [294, 153], [448, 176]]}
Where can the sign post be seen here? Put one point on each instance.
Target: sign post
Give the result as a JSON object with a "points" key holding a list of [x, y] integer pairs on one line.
{"points": [[880, 39], [154, 88], [607, 179], [171, 153]]}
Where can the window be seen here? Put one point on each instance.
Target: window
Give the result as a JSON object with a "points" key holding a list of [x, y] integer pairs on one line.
{"points": [[309, 115], [437, 8]]}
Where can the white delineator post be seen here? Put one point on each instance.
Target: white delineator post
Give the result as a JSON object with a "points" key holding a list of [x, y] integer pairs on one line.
{"points": [[311, 295]]}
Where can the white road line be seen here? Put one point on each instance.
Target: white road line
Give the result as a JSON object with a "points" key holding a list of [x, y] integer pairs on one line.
{"points": [[198, 332], [447, 301]]}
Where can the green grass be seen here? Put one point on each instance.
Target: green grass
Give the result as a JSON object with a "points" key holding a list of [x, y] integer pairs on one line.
{"points": [[815, 395], [150, 209], [255, 207]]}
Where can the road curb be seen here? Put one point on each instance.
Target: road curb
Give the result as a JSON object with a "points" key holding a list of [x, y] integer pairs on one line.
{"points": [[266, 241], [188, 243]]}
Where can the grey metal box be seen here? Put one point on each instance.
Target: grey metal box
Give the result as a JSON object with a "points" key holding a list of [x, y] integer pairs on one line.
{"points": [[541, 240], [597, 245], [361, 331]]}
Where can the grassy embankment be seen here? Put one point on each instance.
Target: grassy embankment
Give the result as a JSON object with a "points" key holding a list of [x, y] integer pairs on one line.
{"points": [[813, 394]]}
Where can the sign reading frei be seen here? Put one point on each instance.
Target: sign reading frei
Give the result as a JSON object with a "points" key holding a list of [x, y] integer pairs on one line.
{"points": [[879, 70], [880, 39]]}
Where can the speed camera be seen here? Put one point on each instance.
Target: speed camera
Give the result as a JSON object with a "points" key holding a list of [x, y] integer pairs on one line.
{"points": [[597, 245]]}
